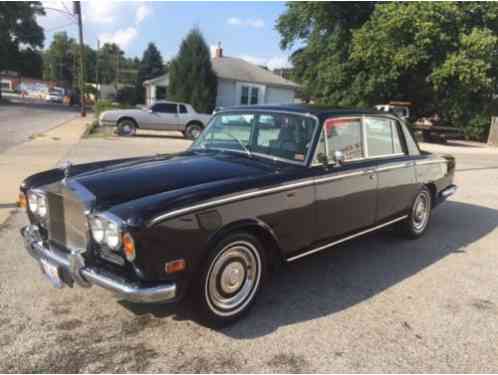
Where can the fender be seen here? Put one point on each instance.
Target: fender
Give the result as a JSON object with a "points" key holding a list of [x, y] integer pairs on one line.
{"points": [[252, 224]]}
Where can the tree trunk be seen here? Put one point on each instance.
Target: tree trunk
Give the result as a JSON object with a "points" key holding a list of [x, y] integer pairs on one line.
{"points": [[493, 132]]}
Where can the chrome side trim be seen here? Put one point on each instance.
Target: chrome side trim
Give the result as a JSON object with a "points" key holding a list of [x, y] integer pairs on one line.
{"points": [[345, 239], [340, 176], [252, 194], [425, 162], [230, 199], [395, 166]]}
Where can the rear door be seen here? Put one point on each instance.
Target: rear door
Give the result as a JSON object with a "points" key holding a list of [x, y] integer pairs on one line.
{"points": [[395, 170], [346, 193]]}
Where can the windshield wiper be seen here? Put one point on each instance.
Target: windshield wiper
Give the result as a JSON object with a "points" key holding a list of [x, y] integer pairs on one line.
{"points": [[240, 143]]}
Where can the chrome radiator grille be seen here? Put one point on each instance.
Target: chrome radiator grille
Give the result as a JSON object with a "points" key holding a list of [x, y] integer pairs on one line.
{"points": [[67, 224]]}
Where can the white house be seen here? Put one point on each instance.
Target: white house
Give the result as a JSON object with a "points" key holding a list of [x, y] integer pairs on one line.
{"points": [[239, 83]]}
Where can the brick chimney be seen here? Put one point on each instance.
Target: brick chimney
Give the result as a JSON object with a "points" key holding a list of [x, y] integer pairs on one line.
{"points": [[219, 51]]}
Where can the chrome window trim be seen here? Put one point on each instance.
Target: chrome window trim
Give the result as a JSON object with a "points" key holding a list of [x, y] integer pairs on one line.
{"points": [[310, 153], [367, 157], [291, 259]]}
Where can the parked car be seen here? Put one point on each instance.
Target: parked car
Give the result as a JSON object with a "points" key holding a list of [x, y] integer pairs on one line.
{"points": [[55, 96], [261, 185], [162, 115]]}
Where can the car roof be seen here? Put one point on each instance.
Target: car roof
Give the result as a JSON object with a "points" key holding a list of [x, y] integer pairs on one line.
{"points": [[319, 111]]}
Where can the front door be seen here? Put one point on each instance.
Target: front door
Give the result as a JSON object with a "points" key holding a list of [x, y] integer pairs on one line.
{"points": [[346, 193], [165, 116]]}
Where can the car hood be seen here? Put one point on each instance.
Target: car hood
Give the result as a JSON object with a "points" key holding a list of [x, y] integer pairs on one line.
{"points": [[131, 180]]}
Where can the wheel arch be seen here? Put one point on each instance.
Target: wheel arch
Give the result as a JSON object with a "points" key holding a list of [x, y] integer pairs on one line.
{"points": [[122, 118], [195, 122], [433, 190], [257, 228]]}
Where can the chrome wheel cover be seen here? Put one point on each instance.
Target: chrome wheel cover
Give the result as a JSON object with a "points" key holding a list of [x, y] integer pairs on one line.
{"points": [[233, 278], [421, 211], [195, 132]]}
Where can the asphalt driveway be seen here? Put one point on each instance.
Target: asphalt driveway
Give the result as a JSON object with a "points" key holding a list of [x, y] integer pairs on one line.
{"points": [[21, 120], [378, 303]]}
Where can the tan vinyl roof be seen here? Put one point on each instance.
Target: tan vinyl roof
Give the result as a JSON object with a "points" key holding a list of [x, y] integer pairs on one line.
{"points": [[240, 70]]}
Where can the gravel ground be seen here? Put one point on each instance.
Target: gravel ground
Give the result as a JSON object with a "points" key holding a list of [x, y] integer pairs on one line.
{"points": [[376, 304]]}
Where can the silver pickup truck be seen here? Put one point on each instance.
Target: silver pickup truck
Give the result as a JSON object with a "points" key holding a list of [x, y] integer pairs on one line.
{"points": [[162, 115]]}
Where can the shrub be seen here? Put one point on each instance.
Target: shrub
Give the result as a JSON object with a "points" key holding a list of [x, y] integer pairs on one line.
{"points": [[478, 128]]}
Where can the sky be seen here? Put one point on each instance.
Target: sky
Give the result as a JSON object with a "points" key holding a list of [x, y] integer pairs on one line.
{"points": [[244, 29]]}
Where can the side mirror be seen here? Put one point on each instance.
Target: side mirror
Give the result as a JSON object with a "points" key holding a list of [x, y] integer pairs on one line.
{"points": [[322, 158], [339, 157]]}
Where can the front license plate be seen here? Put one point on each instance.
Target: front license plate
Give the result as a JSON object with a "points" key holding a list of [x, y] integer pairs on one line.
{"points": [[52, 273]]}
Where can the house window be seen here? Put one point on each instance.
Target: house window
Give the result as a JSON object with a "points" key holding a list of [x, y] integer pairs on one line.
{"points": [[249, 95], [254, 95], [244, 98]]}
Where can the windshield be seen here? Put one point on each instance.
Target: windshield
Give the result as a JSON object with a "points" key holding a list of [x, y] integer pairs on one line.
{"points": [[275, 135]]}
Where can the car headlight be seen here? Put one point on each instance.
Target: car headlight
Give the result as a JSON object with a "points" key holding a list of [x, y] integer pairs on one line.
{"points": [[97, 229], [106, 231], [112, 235], [33, 202], [37, 203]]}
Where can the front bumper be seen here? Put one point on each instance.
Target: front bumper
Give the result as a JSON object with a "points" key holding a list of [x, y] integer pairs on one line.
{"points": [[73, 267]]}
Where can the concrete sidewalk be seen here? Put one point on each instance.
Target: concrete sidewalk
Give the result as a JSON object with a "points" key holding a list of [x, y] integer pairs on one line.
{"points": [[43, 152]]}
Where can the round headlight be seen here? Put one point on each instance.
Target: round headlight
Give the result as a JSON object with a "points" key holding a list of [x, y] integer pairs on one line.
{"points": [[33, 202], [42, 205], [112, 235], [97, 228]]}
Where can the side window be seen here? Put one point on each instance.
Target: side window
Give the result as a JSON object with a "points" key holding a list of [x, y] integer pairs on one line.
{"points": [[183, 109], [164, 108], [345, 135], [382, 137]]}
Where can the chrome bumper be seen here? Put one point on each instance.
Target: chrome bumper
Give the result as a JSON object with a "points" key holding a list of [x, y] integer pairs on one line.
{"points": [[450, 190], [73, 265]]}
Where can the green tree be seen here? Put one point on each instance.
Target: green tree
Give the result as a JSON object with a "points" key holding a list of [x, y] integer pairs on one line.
{"points": [[60, 59], [440, 56], [18, 27], [191, 75], [151, 66]]}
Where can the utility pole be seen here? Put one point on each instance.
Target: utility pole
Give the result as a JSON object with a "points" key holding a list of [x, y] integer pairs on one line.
{"points": [[77, 11], [97, 70]]}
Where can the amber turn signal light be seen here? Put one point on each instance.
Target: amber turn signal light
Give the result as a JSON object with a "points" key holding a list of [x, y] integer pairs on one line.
{"points": [[175, 266], [128, 246], [22, 201]]}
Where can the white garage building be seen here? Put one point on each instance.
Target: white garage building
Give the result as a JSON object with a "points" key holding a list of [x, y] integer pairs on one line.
{"points": [[239, 83]]}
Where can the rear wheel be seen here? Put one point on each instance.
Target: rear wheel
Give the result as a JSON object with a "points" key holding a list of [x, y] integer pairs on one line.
{"points": [[193, 131], [127, 128], [231, 278], [417, 222]]}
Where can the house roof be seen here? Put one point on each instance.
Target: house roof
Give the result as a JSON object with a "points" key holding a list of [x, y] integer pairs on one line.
{"points": [[236, 69], [240, 70], [157, 80]]}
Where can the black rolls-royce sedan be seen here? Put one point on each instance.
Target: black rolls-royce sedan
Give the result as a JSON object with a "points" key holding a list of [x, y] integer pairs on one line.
{"points": [[261, 185]]}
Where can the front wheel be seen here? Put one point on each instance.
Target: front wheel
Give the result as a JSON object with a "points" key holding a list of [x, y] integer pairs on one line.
{"points": [[418, 220], [230, 279], [127, 128]]}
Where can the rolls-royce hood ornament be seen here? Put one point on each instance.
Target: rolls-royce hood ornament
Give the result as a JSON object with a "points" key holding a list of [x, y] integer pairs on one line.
{"points": [[66, 167]]}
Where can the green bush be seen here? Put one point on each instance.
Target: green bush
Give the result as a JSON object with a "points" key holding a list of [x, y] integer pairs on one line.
{"points": [[478, 128]]}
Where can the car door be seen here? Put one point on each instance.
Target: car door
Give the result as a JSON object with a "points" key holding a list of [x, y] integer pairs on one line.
{"points": [[165, 116], [345, 193], [396, 180]]}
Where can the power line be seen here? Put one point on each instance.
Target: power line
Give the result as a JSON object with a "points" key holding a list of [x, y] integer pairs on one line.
{"points": [[60, 27]]}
